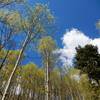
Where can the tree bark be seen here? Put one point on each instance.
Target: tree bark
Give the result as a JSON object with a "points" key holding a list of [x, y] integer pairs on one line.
{"points": [[46, 81], [16, 64]]}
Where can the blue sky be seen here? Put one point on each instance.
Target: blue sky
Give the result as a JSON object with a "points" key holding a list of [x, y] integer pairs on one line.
{"points": [[75, 16], [79, 14]]}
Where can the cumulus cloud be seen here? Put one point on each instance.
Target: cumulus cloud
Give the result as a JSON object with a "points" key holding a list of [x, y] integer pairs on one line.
{"points": [[70, 41]]}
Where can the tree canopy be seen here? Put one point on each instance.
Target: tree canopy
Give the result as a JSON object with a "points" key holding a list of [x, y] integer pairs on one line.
{"points": [[87, 59], [25, 28]]}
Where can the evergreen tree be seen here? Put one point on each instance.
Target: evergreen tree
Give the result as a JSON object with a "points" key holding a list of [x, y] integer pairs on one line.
{"points": [[87, 59]]}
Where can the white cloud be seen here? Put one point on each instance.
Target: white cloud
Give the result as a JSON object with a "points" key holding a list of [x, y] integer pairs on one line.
{"points": [[96, 42], [71, 40]]}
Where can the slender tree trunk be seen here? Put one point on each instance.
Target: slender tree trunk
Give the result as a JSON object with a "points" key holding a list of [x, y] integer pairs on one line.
{"points": [[16, 64], [46, 81], [4, 59]]}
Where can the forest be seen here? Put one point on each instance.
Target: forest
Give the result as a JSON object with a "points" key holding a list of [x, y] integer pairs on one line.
{"points": [[26, 29]]}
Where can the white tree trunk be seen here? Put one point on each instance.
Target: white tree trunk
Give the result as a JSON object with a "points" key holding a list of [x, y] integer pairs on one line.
{"points": [[15, 67], [46, 81]]}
